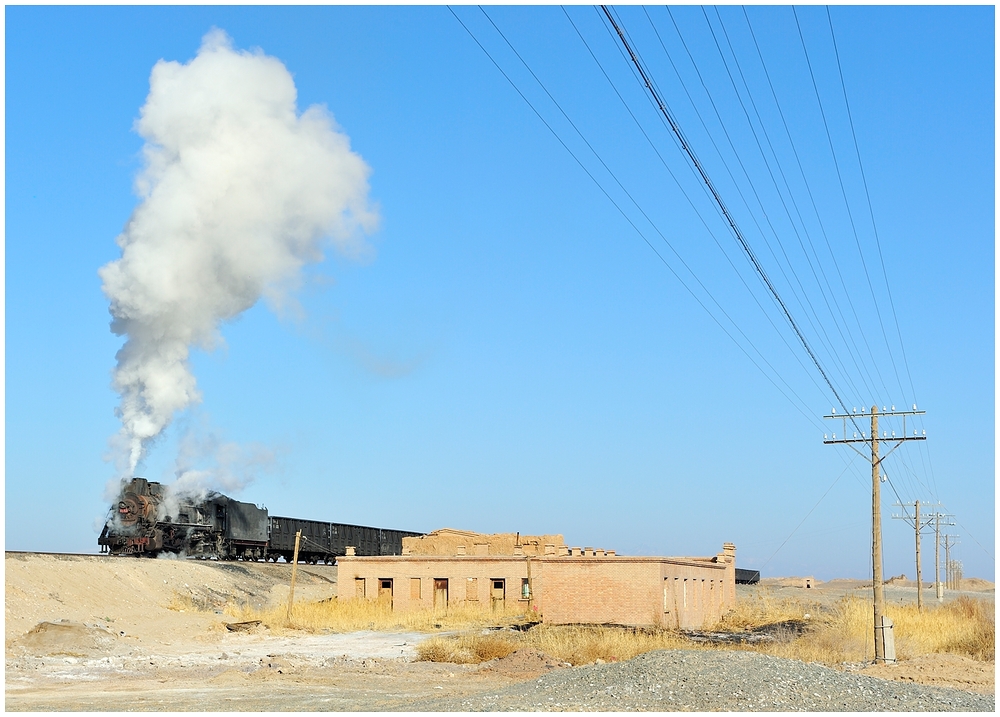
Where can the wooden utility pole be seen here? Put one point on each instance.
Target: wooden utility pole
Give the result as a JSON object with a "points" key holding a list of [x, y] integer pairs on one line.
{"points": [[878, 588], [916, 530], [939, 520], [918, 526], [295, 564], [949, 543], [938, 592]]}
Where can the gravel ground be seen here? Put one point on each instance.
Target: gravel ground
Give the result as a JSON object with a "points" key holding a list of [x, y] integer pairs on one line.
{"points": [[707, 681]]}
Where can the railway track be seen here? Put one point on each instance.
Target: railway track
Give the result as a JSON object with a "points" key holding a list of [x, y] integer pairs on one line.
{"points": [[46, 552], [326, 573]]}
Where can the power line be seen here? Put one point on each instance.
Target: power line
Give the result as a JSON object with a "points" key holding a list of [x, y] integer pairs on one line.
{"points": [[871, 211], [837, 480], [638, 231], [861, 371], [722, 206], [812, 200], [723, 159], [847, 203], [701, 218]]}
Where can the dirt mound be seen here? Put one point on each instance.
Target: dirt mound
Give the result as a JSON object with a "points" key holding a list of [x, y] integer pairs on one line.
{"points": [[526, 662], [67, 638], [977, 584], [940, 670], [152, 601]]}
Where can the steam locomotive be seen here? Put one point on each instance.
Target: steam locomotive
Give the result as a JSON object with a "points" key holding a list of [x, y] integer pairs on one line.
{"points": [[148, 521]]}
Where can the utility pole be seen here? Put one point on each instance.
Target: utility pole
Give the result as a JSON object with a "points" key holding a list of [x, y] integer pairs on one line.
{"points": [[938, 586], [295, 564], [918, 525], [949, 542], [878, 588]]}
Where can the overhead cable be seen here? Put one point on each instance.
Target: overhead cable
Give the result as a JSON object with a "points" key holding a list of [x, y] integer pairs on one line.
{"points": [[722, 206]]}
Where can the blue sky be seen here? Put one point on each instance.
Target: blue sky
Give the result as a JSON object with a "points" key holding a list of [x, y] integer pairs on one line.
{"points": [[513, 356]]}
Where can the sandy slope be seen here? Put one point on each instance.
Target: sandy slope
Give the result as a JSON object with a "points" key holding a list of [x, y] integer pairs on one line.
{"points": [[149, 600]]}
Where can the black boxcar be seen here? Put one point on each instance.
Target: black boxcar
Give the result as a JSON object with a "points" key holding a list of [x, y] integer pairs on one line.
{"points": [[323, 542], [747, 577]]}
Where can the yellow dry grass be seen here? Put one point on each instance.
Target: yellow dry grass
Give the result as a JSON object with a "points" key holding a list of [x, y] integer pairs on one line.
{"points": [[181, 602], [763, 608], [358, 614], [575, 644], [964, 626], [831, 636]]}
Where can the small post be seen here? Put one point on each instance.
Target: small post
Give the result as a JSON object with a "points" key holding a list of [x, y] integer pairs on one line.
{"points": [[888, 641], [295, 563]]}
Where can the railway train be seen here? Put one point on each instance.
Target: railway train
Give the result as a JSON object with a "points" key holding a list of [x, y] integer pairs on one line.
{"points": [[148, 521]]}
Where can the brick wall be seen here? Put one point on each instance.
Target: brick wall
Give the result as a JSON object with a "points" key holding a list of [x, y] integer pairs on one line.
{"points": [[585, 586], [469, 579]]}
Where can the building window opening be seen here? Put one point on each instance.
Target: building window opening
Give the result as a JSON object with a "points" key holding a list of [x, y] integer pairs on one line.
{"points": [[414, 588], [525, 589], [359, 587], [472, 589]]}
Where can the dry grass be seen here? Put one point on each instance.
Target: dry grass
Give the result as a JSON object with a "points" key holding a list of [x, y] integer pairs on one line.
{"points": [[183, 602], [762, 608], [964, 626], [469, 648], [576, 644], [358, 614], [832, 636]]}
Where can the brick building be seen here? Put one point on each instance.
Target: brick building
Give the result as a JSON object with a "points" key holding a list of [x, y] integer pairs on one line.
{"points": [[540, 573]]}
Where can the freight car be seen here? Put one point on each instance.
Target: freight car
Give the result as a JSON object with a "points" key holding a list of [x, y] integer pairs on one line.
{"points": [[148, 521], [323, 542], [747, 577]]}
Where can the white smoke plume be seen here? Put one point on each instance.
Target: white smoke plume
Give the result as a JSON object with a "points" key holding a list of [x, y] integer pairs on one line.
{"points": [[238, 193], [206, 463]]}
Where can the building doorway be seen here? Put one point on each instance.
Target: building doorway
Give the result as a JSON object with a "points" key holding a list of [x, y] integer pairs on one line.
{"points": [[385, 590], [497, 594], [440, 593]]}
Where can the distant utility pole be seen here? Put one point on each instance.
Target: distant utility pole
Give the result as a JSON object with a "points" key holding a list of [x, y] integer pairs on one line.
{"points": [[877, 586], [949, 542], [918, 525], [939, 520]]}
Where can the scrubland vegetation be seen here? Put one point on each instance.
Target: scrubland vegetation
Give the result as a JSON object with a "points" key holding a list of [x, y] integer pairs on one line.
{"points": [[801, 630], [843, 633], [334, 615]]}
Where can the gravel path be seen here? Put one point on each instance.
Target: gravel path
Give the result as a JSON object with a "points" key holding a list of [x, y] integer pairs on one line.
{"points": [[696, 680]]}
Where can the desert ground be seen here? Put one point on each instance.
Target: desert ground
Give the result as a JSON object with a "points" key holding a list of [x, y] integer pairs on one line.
{"points": [[122, 634]]}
